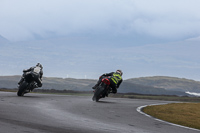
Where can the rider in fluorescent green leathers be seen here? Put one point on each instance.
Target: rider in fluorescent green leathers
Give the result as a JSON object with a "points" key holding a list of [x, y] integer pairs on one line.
{"points": [[115, 79]]}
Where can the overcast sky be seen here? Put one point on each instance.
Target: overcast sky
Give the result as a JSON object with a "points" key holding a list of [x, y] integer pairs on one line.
{"points": [[142, 37], [167, 20]]}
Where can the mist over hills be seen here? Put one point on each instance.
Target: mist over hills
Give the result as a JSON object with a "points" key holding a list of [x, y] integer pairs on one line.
{"points": [[83, 57], [158, 85], [3, 40]]}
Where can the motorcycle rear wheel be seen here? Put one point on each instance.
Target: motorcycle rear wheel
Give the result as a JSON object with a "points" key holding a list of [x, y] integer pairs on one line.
{"points": [[97, 94], [22, 88]]}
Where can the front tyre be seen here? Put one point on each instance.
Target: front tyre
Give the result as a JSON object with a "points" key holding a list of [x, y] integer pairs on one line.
{"points": [[22, 88]]}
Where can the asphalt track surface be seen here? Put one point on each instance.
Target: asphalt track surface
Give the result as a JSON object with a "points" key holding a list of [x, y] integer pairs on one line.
{"points": [[44, 113]]}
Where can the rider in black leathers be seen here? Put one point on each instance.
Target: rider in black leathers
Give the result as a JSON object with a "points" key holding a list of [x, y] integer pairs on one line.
{"points": [[114, 78], [36, 72]]}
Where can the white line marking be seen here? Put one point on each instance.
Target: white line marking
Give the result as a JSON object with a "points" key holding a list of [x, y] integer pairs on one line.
{"points": [[139, 109]]}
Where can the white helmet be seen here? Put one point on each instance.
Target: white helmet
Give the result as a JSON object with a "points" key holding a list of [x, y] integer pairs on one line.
{"points": [[39, 65], [120, 72]]}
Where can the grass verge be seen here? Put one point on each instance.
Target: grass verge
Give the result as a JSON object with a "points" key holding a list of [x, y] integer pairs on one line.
{"points": [[186, 114]]}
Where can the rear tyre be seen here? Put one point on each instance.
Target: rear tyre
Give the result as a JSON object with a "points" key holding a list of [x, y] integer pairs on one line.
{"points": [[22, 88], [97, 94]]}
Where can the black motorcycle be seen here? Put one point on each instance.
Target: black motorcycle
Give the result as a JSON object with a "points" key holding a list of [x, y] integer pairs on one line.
{"points": [[26, 86], [102, 90]]}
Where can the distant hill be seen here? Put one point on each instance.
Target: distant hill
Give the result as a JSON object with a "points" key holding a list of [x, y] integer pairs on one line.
{"points": [[128, 87], [147, 85], [168, 83], [3, 40], [10, 82]]}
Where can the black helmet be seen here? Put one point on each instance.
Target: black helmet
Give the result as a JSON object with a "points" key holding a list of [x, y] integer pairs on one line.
{"points": [[39, 65], [120, 72]]}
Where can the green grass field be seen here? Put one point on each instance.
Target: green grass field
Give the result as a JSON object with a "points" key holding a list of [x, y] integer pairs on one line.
{"points": [[186, 114]]}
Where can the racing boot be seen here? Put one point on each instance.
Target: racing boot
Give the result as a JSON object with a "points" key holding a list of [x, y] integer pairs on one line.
{"points": [[21, 80], [94, 87], [98, 83]]}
